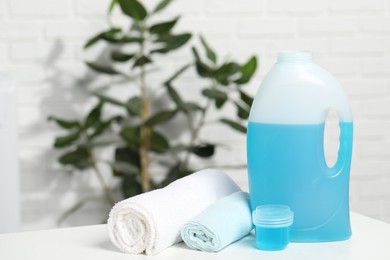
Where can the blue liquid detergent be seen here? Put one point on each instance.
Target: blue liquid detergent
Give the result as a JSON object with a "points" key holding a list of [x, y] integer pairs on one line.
{"points": [[272, 239], [286, 165]]}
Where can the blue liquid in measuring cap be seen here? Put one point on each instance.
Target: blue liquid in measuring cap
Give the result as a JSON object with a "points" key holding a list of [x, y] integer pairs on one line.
{"points": [[286, 165], [272, 224], [272, 239]]}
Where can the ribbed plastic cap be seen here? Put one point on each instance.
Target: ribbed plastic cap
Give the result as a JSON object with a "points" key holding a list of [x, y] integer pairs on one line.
{"points": [[273, 216]]}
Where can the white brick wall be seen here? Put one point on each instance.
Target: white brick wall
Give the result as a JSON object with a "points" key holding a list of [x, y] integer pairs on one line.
{"points": [[258, 27], [52, 9], [40, 47], [304, 7], [227, 7], [357, 6], [18, 31], [328, 26]]}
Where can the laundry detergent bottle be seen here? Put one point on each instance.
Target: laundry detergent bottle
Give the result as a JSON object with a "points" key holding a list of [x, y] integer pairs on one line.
{"points": [[285, 148]]}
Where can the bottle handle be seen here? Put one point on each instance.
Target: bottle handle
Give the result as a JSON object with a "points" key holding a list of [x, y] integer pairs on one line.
{"points": [[345, 141]]}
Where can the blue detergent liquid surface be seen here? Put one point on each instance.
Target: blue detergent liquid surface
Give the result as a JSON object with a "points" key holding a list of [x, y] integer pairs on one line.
{"points": [[286, 165]]}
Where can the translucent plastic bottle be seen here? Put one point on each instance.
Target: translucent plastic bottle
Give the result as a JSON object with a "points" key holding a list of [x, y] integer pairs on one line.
{"points": [[285, 151]]}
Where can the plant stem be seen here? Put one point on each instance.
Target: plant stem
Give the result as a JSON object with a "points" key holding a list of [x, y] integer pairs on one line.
{"points": [[99, 175], [145, 136], [92, 160], [145, 131], [195, 132], [72, 210], [180, 71]]}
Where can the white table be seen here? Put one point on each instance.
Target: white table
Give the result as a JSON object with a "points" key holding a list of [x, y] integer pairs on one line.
{"points": [[370, 240]]}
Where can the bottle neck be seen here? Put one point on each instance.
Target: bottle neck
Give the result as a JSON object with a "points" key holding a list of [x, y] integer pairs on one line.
{"points": [[294, 57]]}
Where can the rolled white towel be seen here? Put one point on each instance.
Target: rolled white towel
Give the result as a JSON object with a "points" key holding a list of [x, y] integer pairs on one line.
{"points": [[151, 222]]}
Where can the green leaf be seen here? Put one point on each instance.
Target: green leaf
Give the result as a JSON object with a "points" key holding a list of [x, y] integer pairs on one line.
{"points": [[66, 140], [172, 42], [102, 68], [163, 4], [247, 71], [204, 70], [100, 128], [246, 98], [162, 28], [234, 125], [229, 68], [184, 106], [121, 57], [195, 53], [116, 118], [158, 143], [192, 107], [125, 154], [124, 168], [94, 116], [130, 134], [110, 100], [175, 96], [133, 8], [242, 112], [224, 72], [131, 186], [160, 117], [109, 36], [141, 61], [64, 123], [209, 52], [133, 106], [104, 125], [128, 39], [92, 41], [220, 97], [214, 93], [132, 137], [204, 150], [220, 102], [78, 158], [112, 5]]}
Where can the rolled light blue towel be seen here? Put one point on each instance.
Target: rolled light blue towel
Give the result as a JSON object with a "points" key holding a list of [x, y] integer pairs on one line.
{"points": [[224, 222]]}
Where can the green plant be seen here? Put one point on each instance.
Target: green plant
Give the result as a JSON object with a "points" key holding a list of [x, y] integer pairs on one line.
{"points": [[138, 129]]}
